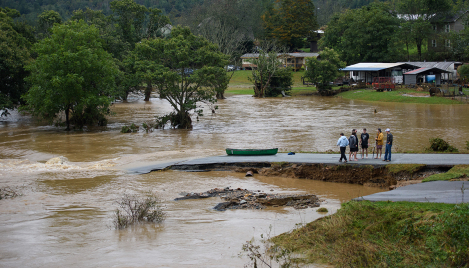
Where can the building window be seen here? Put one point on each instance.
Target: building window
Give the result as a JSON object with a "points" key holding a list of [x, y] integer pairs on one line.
{"points": [[447, 43], [434, 27], [354, 73], [433, 43], [447, 28]]}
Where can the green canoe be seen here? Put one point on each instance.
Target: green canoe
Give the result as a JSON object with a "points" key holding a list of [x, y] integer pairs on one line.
{"points": [[230, 151]]}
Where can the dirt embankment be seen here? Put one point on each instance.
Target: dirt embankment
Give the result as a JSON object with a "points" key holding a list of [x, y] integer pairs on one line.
{"points": [[367, 175]]}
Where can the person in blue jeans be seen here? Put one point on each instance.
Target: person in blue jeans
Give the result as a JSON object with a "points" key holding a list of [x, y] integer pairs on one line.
{"points": [[387, 153]]}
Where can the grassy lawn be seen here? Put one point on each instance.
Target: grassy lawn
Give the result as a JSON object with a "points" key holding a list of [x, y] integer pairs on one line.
{"points": [[240, 85], [457, 172], [395, 96], [384, 234]]}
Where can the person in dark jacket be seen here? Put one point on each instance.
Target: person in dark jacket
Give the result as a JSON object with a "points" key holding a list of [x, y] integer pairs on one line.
{"points": [[387, 152], [353, 144]]}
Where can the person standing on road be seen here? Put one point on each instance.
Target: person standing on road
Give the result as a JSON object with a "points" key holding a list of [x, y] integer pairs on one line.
{"points": [[342, 143], [379, 144], [353, 144], [364, 137], [387, 153]]}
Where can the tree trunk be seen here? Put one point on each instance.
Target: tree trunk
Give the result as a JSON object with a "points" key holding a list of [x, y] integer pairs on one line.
{"points": [[220, 95], [67, 119], [419, 49], [148, 91], [182, 120]]}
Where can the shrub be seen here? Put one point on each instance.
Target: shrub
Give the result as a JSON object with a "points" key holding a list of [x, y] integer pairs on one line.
{"points": [[134, 209], [440, 145], [281, 81], [132, 128], [467, 145], [322, 210]]}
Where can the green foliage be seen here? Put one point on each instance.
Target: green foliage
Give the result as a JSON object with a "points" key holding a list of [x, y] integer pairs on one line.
{"points": [[130, 17], [321, 72], [46, 20], [268, 65], [385, 234], [281, 81], [133, 209], [14, 56], [463, 72], [467, 145], [456, 172], [367, 34], [440, 145], [185, 69], [131, 129], [72, 74], [290, 21], [323, 210]]}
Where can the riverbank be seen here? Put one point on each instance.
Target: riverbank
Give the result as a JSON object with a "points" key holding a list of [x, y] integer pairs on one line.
{"points": [[240, 85], [384, 234], [400, 95]]}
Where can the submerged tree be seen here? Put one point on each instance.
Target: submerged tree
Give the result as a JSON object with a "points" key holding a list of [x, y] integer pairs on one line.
{"points": [[72, 74], [185, 69]]}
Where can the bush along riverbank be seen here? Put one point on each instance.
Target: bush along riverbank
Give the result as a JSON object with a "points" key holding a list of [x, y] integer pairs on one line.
{"points": [[384, 234]]}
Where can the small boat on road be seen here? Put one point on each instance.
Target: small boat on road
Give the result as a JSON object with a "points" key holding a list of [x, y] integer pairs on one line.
{"points": [[231, 151]]}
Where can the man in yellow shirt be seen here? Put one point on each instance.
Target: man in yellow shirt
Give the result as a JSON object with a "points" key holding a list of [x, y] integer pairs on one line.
{"points": [[379, 144]]}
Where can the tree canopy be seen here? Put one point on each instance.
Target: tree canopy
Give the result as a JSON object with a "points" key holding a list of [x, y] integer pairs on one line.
{"points": [[72, 74], [14, 56], [184, 69], [321, 72], [366, 34], [290, 21]]}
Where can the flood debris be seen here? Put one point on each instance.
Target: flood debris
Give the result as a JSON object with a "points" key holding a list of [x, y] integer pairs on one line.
{"points": [[247, 199], [7, 192]]}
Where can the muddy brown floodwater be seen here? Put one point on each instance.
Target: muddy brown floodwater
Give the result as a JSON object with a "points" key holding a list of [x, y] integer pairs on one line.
{"points": [[70, 181]]}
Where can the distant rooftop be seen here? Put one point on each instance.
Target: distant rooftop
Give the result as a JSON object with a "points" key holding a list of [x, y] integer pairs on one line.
{"points": [[295, 54]]}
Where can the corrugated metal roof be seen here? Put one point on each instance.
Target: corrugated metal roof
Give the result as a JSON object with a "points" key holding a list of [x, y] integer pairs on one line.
{"points": [[427, 69], [445, 65], [373, 66], [417, 71]]}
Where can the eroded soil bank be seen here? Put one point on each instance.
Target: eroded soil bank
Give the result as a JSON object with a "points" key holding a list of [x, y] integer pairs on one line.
{"points": [[389, 176]]}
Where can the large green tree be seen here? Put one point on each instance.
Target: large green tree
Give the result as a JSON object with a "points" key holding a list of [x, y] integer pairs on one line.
{"points": [[325, 70], [290, 21], [185, 69], [14, 56], [46, 20], [365, 34], [130, 18], [72, 74]]}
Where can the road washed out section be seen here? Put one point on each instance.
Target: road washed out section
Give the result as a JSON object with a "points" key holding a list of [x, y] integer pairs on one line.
{"points": [[438, 192]]}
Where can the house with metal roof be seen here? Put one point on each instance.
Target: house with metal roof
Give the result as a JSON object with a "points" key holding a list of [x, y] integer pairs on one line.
{"points": [[424, 75], [292, 60], [450, 66], [368, 71]]}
